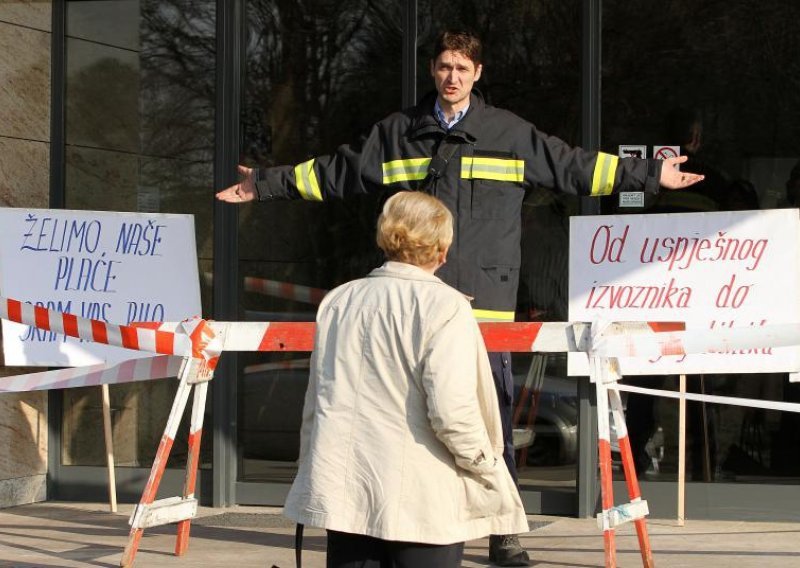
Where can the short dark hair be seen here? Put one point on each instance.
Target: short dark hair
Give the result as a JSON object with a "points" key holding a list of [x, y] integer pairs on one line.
{"points": [[464, 42]]}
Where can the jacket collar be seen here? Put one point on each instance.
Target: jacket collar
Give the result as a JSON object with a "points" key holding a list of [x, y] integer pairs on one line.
{"points": [[467, 129], [394, 269]]}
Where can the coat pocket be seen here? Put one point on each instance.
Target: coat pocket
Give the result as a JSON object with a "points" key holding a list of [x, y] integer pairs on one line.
{"points": [[497, 285], [496, 199], [482, 497]]}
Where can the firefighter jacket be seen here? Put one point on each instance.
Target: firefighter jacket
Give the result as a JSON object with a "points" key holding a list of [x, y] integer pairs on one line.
{"points": [[496, 157]]}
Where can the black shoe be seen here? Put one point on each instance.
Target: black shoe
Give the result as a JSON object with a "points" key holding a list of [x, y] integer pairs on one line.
{"points": [[505, 550]]}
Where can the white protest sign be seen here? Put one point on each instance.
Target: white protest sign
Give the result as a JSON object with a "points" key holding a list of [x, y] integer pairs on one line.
{"points": [[711, 270], [113, 267]]}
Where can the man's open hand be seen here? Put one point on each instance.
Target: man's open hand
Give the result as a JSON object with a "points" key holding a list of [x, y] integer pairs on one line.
{"points": [[243, 191], [673, 178]]}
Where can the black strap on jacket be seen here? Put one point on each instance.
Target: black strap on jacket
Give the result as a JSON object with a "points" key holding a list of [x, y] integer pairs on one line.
{"points": [[437, 167]]}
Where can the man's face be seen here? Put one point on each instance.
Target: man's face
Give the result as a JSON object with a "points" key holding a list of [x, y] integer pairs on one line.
{"points": [[454, 74]]}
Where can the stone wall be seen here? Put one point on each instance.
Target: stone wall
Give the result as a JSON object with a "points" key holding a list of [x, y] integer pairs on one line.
{"points": [[25, 43]]}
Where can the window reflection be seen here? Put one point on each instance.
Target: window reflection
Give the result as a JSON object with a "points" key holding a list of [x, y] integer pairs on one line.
{"points": [[318, 74], [723, 84], [140, 99]]}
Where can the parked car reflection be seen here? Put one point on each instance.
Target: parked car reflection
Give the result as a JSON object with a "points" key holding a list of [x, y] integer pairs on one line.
{"points": [[546, 433], [272, 402]]}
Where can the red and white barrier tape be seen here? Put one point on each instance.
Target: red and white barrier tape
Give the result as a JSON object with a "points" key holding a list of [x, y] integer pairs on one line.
{"points": [[195, 337], [279, 289], [691, 341], [286, 290], [159, 367], [205, 340], [520, 337]]}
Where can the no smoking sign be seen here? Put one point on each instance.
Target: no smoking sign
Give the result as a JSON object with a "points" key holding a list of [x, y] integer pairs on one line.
{"points": [[664, 152]]}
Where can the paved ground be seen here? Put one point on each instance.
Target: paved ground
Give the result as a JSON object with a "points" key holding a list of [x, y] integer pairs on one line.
{"points": [[65, 535]]}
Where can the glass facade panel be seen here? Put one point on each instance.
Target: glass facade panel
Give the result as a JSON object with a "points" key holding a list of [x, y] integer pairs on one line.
{"points": [[719, 79], [140, 100], [531, 67], [317, 75]]}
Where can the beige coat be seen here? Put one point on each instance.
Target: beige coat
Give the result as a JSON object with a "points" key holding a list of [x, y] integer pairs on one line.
{"points": [[401, 436]]}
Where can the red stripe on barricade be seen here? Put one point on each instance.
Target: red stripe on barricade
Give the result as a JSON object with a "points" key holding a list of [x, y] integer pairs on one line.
{"points": [[516, 337], [288, 336], [607, 500], [184, 527], [200, 337], [42, 317], [519, 337], [159, 464], [164, 342], [130, 337], [627, 459], [14, 310], [661, 326], [70, 325], [99, 331], [194, 458], [606, 474], [287, 290]]}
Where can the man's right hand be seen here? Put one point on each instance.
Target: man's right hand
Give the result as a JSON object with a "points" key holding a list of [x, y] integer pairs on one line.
{"points": [[243, 191]]}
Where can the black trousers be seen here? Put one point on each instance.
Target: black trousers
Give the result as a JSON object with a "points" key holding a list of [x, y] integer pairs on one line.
{"points": [[504, 385], [346, 550]]}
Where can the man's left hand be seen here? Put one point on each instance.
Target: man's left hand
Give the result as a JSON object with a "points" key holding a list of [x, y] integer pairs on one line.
{"points": [[673, 178]]}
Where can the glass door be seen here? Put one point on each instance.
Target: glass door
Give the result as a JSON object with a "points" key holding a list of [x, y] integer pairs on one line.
{"points": [[318, 77], [140, 100], [317, 74]]}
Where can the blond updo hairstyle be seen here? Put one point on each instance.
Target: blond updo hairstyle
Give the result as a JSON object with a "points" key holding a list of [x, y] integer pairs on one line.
{"points": [[414, 228]]}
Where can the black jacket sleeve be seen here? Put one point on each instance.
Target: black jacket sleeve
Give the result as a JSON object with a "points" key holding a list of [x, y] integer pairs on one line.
{"points": [[553, 163], [353, 168]]}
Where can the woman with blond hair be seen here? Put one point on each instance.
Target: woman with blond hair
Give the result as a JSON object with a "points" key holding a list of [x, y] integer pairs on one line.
{"points": [[401, 430]]}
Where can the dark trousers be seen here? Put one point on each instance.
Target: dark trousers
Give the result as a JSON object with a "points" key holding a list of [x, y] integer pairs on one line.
{"points": [[346, 550], [504, 385]]}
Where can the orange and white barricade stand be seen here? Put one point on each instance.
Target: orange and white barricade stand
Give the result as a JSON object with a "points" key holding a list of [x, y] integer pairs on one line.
{"points": [[604, 373], [193, 340], [151, 512]]}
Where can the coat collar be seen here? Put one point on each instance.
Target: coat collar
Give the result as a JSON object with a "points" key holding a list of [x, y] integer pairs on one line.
{"points": [[467, 129], [393, 269]]}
